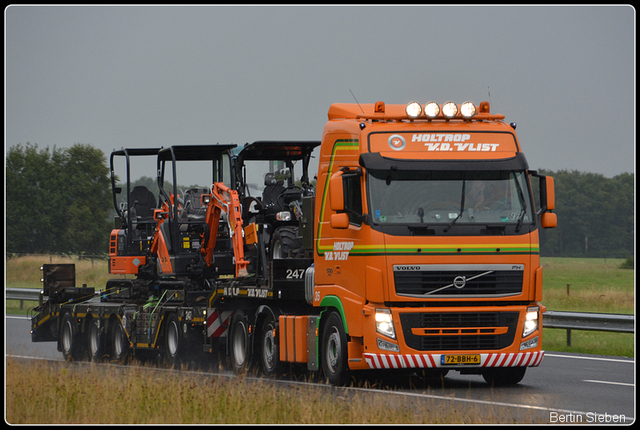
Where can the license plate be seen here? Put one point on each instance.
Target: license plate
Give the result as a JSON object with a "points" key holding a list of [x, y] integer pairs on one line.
{"points": [[460, 359]]}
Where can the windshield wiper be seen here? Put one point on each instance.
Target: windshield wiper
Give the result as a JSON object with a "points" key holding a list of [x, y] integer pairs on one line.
{"points": [[464, 184], [523, 203]]}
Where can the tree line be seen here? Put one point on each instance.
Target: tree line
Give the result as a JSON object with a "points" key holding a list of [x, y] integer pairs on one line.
{"points": [[59, 202], [596, 216]]}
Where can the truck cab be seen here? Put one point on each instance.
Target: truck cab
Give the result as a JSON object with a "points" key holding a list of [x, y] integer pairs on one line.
{"points": [[427, 246]]}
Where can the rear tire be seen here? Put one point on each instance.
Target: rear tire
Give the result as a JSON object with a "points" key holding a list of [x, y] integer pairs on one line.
{"points": [[119, 342], [239, 343], [95, 341], [173, 341], [70, 342], [269, 349]]}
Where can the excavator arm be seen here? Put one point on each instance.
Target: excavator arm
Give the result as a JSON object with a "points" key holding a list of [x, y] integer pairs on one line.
{"points": [[224, 198]]}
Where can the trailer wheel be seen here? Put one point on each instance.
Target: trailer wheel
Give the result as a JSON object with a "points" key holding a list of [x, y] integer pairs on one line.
{"points": [[334, 350], [173, 342], [70, 339], [501, 376], [240, 353], [119, 342], [95, 341], [269, 350]]}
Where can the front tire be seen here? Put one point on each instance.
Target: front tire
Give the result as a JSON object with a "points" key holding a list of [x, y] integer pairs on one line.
{"points": [[334, 350]]}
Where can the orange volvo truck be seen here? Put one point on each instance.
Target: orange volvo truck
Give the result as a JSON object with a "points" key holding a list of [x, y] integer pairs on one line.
{"points": [[416, 249], [426, 250]]}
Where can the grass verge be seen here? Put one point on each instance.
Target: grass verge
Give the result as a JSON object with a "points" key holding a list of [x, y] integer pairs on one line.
{"points": [[55, 393]]}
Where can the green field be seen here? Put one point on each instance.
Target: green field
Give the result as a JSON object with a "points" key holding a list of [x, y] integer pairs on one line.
{"points": [[595, 285]]}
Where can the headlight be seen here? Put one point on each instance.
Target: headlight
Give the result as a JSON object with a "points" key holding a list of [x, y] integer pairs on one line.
{"points": [[432, 109], [413, 110], [283, 216], [531, 321], [468, 110], [384, 323], [449, 109]]}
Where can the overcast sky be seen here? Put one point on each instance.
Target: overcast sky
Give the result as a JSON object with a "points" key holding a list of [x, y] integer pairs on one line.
{"points": [[143, 76]]}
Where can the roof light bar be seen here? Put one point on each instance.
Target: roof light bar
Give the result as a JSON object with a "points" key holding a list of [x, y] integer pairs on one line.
{"points": [[432, 110], [468, 110], [449, 110], [413, 110]]}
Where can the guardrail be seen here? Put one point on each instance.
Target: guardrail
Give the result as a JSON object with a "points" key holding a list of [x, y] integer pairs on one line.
{"points": [[22, 294], [552, 319], [588, 321]]}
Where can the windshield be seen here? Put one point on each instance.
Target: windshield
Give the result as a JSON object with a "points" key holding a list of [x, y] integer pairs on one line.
{"points": [[448, 197]]}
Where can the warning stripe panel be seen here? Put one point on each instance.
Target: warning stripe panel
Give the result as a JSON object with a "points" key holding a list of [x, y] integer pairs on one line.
{"points": [[430, 361]]}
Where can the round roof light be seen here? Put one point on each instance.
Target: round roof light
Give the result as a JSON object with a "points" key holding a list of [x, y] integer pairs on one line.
{"points": [[432, 109], [468, 110], [413, 109], [449, 109]]}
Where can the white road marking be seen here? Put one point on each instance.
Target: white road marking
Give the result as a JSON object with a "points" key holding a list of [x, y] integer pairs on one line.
{"points": [[609, 382], [588, 358]]}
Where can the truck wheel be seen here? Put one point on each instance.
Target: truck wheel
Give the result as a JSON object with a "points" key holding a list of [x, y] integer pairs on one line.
{"points": [[70, 339], [173, 342], [283, 241], [119, 342], [500, 376], [269, 351], [240, 353], [94, 340], [334, 350]]}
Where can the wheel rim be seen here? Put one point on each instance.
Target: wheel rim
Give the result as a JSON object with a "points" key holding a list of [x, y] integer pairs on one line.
{"points": [[239, 344], [94, 340], [172, 339], [333, 350], [269, 348], [117, 344], [67, 335]]}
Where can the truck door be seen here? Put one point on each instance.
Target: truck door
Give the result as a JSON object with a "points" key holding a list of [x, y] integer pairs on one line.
{"points": [[338, 260]]}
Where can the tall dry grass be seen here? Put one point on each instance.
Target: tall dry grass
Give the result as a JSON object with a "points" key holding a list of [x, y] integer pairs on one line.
{"points": [[57, 393]]}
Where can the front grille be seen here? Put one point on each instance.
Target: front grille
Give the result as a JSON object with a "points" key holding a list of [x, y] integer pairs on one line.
{"points": [[451, 282], [457, 331]]}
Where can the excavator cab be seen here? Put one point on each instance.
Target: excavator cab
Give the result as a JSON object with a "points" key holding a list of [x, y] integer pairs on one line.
{"points": [[135, 227], [277, 207], [184, 230]]}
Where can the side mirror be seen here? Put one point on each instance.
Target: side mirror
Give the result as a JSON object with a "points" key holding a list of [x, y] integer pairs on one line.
{"points": [[549, 220], [336, 192], [547, 201], [551, 193], [340, 221]]}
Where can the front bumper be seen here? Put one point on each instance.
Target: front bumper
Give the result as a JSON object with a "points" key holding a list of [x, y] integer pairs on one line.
{"points": [[431, 361]]}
